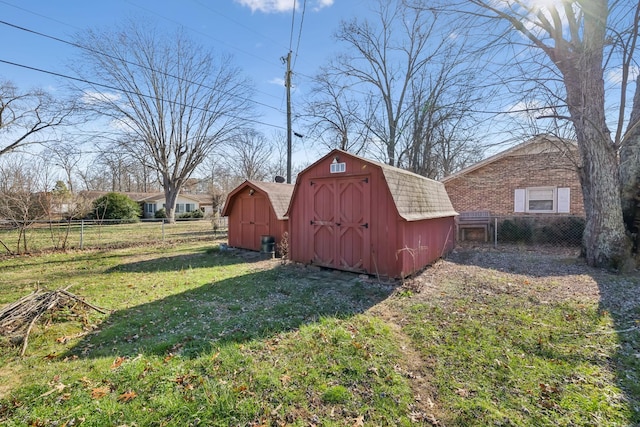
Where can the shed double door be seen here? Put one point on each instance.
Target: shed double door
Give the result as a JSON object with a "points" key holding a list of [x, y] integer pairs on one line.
{"points": [[340, 222], [254, 220]]}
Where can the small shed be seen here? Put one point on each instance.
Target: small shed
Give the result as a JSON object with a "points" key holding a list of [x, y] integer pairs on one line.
{"points": [[354, 214], [257, 209]]}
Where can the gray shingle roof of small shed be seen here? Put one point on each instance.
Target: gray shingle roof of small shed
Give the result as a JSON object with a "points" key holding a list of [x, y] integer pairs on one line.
{"points": [[279, 195], [415, 196]]}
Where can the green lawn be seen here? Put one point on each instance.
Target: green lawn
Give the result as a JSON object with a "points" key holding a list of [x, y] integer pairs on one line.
{"points": [[201, 337]]}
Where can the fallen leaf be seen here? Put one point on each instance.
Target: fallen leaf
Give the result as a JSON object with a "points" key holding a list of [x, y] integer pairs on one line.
{"points": [[275, 410], [168, 357], [359, 421], [127, 396], [99, 392], [59, 387], [119, 361], [462, 392], [285, 379]]}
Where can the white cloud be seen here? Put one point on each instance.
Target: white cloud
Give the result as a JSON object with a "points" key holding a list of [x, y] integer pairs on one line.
{"points": [[277, 81], [96, 97], [530, 110], [615, 75], [275, 6]]}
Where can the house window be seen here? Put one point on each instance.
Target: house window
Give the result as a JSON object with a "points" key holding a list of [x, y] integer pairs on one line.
{"points": [[190, 207], [150, 207], [179, 207], [542, 200]]}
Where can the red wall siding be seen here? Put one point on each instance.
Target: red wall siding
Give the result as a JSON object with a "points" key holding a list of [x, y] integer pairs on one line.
{"points": [[255, 208], [428, 240], [388, 234]]}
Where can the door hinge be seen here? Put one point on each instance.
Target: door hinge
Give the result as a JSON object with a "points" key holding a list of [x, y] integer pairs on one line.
{"points": [[366, 180], [311, 182], [311, 223], [365, 225]]}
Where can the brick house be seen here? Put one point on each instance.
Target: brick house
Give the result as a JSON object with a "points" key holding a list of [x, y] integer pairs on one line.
{"points": [[537, 177]]}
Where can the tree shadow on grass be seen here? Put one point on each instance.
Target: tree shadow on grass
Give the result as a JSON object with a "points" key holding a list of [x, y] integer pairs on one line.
{"points": [[617, 297], [204, 258], [237, 309]]}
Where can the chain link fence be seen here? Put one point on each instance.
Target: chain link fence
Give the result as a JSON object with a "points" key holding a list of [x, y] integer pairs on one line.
{"points": [[38, 236], [557, 231]]}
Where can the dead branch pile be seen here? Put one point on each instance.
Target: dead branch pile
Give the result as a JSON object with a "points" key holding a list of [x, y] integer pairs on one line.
{"points": [[18, 319]]}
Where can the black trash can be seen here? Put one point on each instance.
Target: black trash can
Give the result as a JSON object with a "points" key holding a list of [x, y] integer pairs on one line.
{"points": [[268, 244]]}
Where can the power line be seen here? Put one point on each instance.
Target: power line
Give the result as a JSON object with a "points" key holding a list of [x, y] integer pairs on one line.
{"points": [[130, 92], [304, 8], [79, 46], [293, 20], [201, 33]]}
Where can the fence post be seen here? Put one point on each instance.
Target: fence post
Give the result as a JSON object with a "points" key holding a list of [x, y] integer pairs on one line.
{"points": [[81, 234], [163, 229], [495, 233]]}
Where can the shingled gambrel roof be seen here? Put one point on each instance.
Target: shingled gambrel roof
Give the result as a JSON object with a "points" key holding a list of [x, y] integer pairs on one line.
{"points": [[279, 196], [415, 196]]}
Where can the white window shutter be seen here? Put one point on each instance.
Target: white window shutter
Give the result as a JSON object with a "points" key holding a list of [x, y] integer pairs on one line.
{"points": [[519, 200], [564, 200]]}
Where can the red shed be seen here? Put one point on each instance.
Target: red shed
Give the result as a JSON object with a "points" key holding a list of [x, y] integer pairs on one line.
{"points": [[256, 209], [355, 214]]}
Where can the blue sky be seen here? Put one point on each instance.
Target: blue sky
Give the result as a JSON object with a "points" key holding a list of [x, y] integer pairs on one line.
{"points": [[256, 32]]}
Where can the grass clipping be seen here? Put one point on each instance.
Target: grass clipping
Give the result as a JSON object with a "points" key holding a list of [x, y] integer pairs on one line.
{"points": [[18, 318]]}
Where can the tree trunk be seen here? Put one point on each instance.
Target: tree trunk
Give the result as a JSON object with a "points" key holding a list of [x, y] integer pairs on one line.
{"points": [[630, 170], [606, 243], [171, 193]]}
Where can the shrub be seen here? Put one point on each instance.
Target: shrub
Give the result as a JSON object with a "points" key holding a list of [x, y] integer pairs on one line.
{"points": [[515, 230], [194, 214], [161, 213], [543, 230], [116, 206]]}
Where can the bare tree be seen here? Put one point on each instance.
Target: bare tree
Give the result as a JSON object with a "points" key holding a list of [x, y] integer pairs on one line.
{"points": [[250, 155], [384, 58], [26, 116], [24, 198], [339, 119], [438, 134], [575, 36], [173, 100], [402, 91], [66, 155]]}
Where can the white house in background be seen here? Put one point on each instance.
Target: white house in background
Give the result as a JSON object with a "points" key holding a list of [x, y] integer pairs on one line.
{"points": [[153, 202]]}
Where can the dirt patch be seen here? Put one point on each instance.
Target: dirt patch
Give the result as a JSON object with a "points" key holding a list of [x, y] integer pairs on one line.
{"points": [[413, 367]]}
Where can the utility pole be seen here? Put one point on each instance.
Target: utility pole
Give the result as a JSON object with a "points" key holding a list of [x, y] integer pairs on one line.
{"points": [[287, 84]]}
